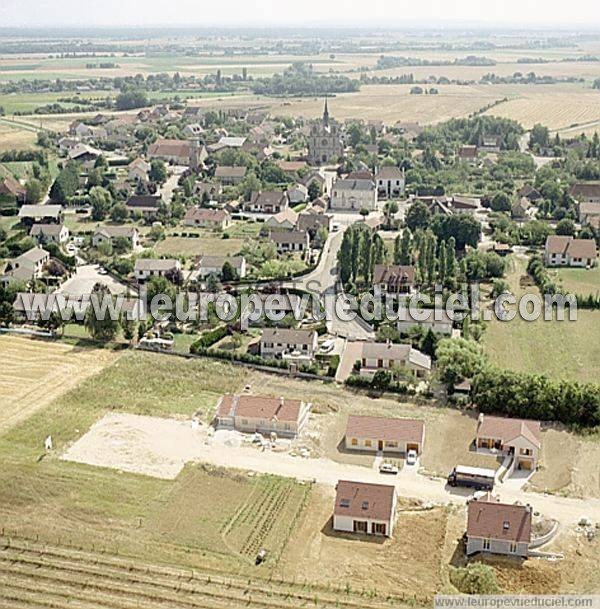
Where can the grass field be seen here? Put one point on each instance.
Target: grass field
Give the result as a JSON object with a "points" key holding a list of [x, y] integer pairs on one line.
{"points": [[197, 246], [16, 137], [579, 281], [568, 349]]}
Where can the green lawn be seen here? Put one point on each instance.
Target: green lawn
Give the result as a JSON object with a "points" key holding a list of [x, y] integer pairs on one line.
{"points": [[212, 245], [28, 102], [568, 349], [579, 281]]}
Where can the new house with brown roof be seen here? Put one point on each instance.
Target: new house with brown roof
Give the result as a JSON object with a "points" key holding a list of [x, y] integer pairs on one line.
{"points": [[364, 508], [267, 202], [381, 434], [564, 250], [288, 343], [518, 437], [203, 217], [498, 528], [146, 205], [263, 414], [468, 154], [391, 356], [393, 279]]}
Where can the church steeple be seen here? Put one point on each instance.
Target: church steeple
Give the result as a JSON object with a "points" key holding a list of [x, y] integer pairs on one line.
{"points": [[326, 115]]}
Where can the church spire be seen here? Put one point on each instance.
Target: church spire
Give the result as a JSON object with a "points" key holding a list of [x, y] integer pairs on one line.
{"points": [[326, 114]]}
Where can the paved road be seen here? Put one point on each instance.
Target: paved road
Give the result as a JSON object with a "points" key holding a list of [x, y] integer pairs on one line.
{"points": [[322, 282], [84, 279]]}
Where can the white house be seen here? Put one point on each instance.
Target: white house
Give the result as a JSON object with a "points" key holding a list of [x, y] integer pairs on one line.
{"points": [[288, 344], [290, 241], [154, 267], [106, 234], [389, 356], [390, 182], [364, 508], [353, 194], [213, 265], [563, 250], [49, 233]]}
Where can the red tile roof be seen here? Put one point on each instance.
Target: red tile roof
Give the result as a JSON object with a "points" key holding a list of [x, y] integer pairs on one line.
{"points": [[506, 429], [363, 500], [259, 407], [382, 428], [490, 519]]}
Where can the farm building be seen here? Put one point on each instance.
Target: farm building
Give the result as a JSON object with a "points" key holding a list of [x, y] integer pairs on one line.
{"points": [[563, 250], [364, 508]]}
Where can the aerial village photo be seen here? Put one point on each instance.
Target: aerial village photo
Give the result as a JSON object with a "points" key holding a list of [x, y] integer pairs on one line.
{"points": [[299, 304]]}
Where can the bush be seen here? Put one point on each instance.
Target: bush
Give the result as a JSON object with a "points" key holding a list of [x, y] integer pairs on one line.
{"points": [[209, 338], [475, 578]]}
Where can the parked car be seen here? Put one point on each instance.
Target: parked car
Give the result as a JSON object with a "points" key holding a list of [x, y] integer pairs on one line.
{"points": [[388, 468], [102, 271], [411, 457]]}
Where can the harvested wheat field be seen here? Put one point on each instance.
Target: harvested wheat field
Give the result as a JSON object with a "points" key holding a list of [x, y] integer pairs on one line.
{"points": [[35, 372]]}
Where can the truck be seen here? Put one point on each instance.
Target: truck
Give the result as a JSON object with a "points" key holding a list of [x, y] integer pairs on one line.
{"points": [[474, 477]]}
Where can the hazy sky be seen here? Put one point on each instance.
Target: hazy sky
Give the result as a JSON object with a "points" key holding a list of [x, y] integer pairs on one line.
{"points": [[266, 12]]}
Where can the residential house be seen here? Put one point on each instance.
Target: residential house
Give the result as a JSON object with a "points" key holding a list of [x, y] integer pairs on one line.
{"points": [[489, 143], [193, 130], [207, 191], [145, 268], [498, 528], [26, 267], [287, 343], [311, 222], [393, 279], [586, 192], [464, 205], [382, 434], [262, 414], [49, 233], [290, 241], [297, 194], [137, 170], [563, 250], [213, 265], [203, 217], [146, 205], [390, 182], [518, 437], [11, 187], [353, 194], [468, 154], [589, 214], [267, 202], [83, 153], [291, 168], [313, 176], [389, 356], [40, 214], [436, 320], [229, 176], [284, 220], [365, 508], [530, 193], [520, 209], [232, 142], [170, 151], [106, 234], [436, 205]]}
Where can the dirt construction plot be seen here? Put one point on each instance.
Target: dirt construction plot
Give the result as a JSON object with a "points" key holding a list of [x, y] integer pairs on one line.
{"points": [[35, 372], [137, 444]]}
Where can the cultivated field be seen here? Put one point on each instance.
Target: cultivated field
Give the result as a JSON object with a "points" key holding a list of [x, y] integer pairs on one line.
{"points": [[36, 372]]}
